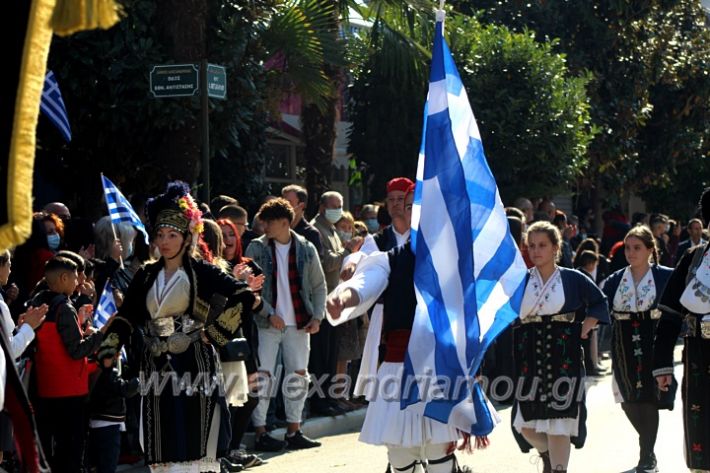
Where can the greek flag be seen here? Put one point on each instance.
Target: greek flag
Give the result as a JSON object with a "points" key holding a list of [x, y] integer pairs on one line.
{"points": [[120, 209], [106, 306], [469, 274], [52, 105]]}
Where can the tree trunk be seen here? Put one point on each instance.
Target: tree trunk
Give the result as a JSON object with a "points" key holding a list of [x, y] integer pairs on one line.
{"points": [[183, 29], [319, 136]]}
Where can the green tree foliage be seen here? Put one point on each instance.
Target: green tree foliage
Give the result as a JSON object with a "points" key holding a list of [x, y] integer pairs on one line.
{"points": [[532, 114], [674, 143], [649, 89], [119, 129]]}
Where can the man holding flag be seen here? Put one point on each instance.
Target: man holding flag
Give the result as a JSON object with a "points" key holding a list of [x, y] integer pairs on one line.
{"points": [[447, 294]]}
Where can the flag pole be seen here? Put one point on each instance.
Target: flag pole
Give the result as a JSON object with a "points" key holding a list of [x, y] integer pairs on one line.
{"points": [[113, 226], [440, 13]]}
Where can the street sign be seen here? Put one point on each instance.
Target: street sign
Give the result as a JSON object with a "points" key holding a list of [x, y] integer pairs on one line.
{"points": [[216, 82], [185, 80], [175, 80]]}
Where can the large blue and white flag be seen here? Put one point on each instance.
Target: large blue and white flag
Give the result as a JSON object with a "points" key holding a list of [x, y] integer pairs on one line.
{"points": [[469, 274], [52, 105], [106, 306], [120, 209]]}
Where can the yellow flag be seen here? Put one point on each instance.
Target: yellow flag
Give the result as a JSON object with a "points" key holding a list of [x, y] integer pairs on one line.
{"points": [[27, 28]]}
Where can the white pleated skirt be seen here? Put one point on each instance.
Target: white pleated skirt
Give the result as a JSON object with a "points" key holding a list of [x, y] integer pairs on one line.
{"points": [[567, 426], [236, 382], [387, 424]]}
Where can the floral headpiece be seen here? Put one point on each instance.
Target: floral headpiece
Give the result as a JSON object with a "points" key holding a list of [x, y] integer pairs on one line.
{"points": [[193, 213], [175, 209]]}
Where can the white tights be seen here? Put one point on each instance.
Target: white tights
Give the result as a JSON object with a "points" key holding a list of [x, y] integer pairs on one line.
{"points": [[558, 446], [409, 460]]}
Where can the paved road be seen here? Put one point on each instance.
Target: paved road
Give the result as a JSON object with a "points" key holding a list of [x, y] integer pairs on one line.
{"points": [[611, 446]]}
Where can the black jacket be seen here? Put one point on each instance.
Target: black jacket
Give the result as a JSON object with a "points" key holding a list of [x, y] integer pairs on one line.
{"points": [[206, 280], [309, 232], [108, 396]]}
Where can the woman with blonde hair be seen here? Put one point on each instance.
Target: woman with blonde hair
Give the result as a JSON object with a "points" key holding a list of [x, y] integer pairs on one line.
{"points": [[560, 307]]}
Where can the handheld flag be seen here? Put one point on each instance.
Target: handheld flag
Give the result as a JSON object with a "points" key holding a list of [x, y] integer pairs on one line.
{"points": [[469, 274], [53, 107], [120, 209], [106, 306]]}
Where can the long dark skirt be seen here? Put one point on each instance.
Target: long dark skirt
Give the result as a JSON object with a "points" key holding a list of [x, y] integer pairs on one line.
{"points": [[548, 363], [696, 403], [550, 375], [179, 406], [632, 359]]}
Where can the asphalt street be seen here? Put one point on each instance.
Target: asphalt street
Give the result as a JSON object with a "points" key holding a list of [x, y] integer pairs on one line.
{"points": [[612, 445]]}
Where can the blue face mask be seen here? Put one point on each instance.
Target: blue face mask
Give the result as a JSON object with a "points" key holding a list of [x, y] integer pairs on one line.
{"points": [[344, 236], [53, 241], [372, 225]]}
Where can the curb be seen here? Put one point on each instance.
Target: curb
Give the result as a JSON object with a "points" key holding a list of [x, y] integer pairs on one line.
{"points": [[315, 428], [320, 426]]}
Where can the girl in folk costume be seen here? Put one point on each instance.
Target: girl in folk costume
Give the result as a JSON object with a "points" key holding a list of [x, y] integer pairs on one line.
{"points": [[560, 307], [633, 294], [185, 309], [411, 438], [687, 299]]}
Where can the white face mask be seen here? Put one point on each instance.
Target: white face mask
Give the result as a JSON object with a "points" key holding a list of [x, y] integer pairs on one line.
{"points": [[333, 215], [345, 236]]}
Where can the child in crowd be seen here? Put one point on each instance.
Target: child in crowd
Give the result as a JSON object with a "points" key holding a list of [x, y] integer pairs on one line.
{"points": [[107, 411], [61, 368]]}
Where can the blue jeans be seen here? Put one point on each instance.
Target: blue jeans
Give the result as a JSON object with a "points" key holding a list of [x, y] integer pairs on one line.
{"points": [[105, 447]]}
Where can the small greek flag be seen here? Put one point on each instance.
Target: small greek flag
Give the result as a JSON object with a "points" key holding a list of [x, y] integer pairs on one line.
{"points": [[52, 106], [106, 306], [469, 276], [120, 209]]}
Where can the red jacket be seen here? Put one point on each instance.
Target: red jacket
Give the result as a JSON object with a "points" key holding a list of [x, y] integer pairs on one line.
{"points": [[61, 362]]}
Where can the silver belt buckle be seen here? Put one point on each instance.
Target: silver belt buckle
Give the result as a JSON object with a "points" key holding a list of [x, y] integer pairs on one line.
{"points": [[189, 324], [178, 342], [621, 315], [567, 317], [531, 319], [162, 327]]}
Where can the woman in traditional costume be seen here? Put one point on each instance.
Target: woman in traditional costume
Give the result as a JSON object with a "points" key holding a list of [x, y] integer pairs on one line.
{"points": [[633, 294], [687, 299], [185, 309], [560, 307]]}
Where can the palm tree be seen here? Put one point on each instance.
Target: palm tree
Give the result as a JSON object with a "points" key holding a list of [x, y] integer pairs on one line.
{"points": [[308, 40]]}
